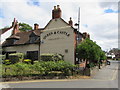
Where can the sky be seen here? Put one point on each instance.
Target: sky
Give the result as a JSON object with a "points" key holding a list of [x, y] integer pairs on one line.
{"points": [[99, 18]]}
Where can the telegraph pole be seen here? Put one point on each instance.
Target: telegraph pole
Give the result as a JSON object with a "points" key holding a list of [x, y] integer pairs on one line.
{"points": [[78, 27], [39, 47], [78, 18], [78, 24]]}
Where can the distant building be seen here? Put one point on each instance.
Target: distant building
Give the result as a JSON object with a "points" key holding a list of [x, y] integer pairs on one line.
{"points": [[57, 36]]}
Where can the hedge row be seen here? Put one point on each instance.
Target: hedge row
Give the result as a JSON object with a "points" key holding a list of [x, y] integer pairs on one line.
{"points": [[38, 68], [20, 57], [49, 57], [13, 58]]}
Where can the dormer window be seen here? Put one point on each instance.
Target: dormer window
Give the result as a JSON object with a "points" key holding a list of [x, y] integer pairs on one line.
{"points": [[12, 40], [33, 38]]}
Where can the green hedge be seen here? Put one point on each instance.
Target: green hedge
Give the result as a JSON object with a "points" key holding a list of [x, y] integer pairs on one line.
{"points": [[7, 62], [2, 57], [51, 57], [27, 61], [16, 57], [18, 69], [39, 68]]}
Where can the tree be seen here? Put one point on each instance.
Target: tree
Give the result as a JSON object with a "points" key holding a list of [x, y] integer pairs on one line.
{"points": [[103, 56], [89, 51], [24, 27]]}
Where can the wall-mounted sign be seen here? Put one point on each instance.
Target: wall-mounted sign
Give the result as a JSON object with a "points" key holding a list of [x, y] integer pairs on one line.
{"points": [[57, 38], [56, 32]]}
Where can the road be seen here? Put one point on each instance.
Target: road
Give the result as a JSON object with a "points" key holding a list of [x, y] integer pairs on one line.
{"points": [[107, 77]]}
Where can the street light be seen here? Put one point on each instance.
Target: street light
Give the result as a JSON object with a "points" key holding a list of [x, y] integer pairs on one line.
{"points": [[39, 58]]}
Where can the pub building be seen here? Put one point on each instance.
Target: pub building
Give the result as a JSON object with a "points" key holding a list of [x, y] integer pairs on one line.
{"points": [[58, 36]]}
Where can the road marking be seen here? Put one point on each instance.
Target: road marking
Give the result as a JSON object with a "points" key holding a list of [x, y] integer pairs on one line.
{"points": [[51, 80], [36, 81], [115, 73]]}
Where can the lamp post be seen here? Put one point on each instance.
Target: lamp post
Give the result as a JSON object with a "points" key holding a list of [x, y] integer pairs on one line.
{"points": [[77, 33], [39, 58]]}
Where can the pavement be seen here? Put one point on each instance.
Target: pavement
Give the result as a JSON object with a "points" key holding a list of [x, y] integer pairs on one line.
{"points": [[108, 72], [106, 77]]}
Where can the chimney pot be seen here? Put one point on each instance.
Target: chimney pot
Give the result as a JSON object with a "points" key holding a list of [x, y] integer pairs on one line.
{"points": [[56, 12], [58, 6], [54, 7], [71, 22], [86, 35], [36, 26]]}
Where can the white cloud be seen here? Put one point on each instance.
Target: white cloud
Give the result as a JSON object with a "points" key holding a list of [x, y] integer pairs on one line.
{"points": [[24, 13], [110, 5]]}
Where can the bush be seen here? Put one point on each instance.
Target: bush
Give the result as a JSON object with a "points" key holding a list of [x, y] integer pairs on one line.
{"points": [[27, 61], [16, 57], [51, 57], [38, 69], [92, 65], [7, 62], [18, 69], [22, 69], [41, 68], [2, 57], [8, 70], [63, 66]]}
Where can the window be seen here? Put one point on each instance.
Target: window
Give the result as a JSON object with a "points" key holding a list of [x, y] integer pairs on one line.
{"points": [[11, 41], [7, 54], [33, 39], [33, 55]]}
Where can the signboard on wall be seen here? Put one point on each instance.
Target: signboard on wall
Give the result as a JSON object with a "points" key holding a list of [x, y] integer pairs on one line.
{"points": [[56, 32]]}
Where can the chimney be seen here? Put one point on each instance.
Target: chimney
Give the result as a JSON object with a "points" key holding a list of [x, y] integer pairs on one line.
{"points": [[13, 23], [56, 12], [15, 27], [71, 22], [36, 26], [86, 35], [89, 36]]}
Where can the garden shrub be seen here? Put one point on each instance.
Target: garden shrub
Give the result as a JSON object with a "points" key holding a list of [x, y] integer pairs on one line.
{"points": [[8, 70], [16, 57], [92, 65], [22, 69], [35, 61], [2, 57], [38, 69], [51, 57], [65, 67], [27, 61], [7, 62], [62, 66], [41, 68]]}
